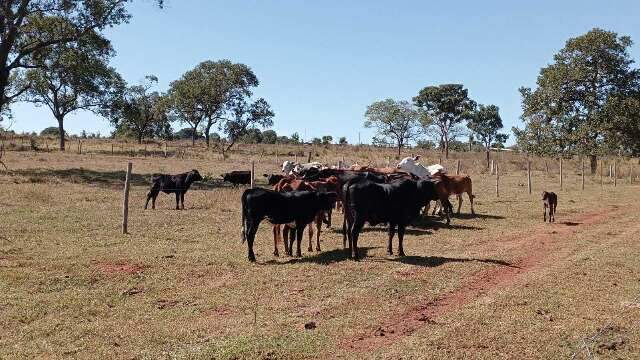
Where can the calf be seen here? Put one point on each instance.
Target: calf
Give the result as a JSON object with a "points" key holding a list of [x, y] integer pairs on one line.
{"points": [[549, 201], [396, 203], [178, 184], [455, 185], [297, 208], [241, 177]]}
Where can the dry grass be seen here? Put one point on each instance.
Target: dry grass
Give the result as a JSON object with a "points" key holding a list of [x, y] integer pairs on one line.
{"points": [[179, 286]]}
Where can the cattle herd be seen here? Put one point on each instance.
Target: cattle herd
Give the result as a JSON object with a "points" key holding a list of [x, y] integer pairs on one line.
{"points": [[306, 194]]}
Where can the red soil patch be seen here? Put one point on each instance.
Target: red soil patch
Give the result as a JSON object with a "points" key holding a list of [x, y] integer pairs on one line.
{"points": [[539, 246], [121, 268]]}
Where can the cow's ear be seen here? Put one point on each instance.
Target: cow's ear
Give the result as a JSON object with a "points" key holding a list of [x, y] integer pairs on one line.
{"points": [[416, 158]]}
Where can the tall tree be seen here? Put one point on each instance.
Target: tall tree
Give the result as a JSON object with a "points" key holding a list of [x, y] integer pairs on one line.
{"points": [[213, 87], [394, 121], [244, 116], [28, 27], [70, 77], [446, 107], [572, 93], [485, 124], [141, 112]]}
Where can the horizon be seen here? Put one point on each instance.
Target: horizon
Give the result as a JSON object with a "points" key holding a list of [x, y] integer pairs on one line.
{"points": [[320, 66]]}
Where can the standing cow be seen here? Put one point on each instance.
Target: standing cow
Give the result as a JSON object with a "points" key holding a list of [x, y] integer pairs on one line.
{"points": [[178, 184], [296, 208]]}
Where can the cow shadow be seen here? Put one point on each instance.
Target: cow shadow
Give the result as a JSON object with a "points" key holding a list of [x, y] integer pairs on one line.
{"points": [[103, 179], [434, 261], [467, 216], [324, 257], [429, 223]]}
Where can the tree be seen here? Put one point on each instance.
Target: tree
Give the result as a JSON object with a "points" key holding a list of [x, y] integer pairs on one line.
{"points": [[327, 139], [445, 107], [269, 137], [484, 124], [252, 136], [573, 92], [30, 27], [316, 141], [50, 131], [212, 87], [295, 138], [71, 77], [342, 140], [244, 117], [395, 121], [623, 125], [187, 133], [140, 111]]}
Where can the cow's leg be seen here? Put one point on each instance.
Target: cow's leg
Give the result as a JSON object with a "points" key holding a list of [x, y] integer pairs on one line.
{"points": [[356, 227], [328, 215], [276, 236], [153, 200], [345, 233], [435, 207], [182, 199], [251, 235], [400, 239], [426, 209], [177, 201], [310, 231], [151, 195], [473, 212], [299, 235], [292, 237], [391, 231], [146, 203], [544, 210], [318, 230], [459, 202]]}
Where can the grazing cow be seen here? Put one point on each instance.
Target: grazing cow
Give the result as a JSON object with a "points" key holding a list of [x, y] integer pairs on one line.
{"points": [[178, 184], [241, 177], [549, 201], [290, 184], [396, 203], [411, 164], [273, 179], [453, 185], [297, 208], [290, 167]]}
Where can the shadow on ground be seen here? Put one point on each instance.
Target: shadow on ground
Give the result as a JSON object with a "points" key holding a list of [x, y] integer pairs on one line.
{"points": [[108, 179], [433, 261], [323, 258]]}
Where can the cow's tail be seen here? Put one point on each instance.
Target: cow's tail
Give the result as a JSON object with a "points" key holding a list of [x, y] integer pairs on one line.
{"points": [[244, 217]]}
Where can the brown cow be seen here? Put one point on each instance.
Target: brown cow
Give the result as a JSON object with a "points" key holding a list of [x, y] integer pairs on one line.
{"points": [[455, 185], [290, 184]]}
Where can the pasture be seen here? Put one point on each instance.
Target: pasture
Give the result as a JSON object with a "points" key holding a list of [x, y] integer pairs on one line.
{"points": [[501, 284]]}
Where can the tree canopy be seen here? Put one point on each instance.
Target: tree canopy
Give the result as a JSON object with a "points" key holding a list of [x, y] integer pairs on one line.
{"points": [[567, 110], [445, 108], [395, 122], [485, 124]]}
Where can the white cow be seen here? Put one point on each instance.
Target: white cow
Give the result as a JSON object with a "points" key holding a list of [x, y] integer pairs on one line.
{"points": [[411, 164], [290, 167]]}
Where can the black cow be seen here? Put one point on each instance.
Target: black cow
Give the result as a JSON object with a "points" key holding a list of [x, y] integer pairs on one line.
{"points": [[178, 184], [396, 203], [297, 208], [242, 177], [273, 179], [549, 201]]}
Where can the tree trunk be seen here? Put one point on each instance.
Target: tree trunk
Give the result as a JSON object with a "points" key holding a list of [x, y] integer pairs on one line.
{"points": [[488, 158], [399, 148], [61, 130], [594, 164], [208, 130], [193, 137], [140, 137], [446, 149]]}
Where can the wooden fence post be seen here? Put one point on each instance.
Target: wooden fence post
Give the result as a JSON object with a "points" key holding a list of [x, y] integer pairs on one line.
{"points": [[561, 185], [145, 150], [492, 167], [601, 170], [497, 180], [631, 172], [111, 149], [277, 162], [610, 170], [309, 158], [615, 172], [253, 172], [125, 201], [582, 174], [458, 167], [165, 149], [295, 158], [529, 175]]}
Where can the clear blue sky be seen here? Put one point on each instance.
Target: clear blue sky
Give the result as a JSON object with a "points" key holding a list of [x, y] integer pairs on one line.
{"points": [[320, 63]]}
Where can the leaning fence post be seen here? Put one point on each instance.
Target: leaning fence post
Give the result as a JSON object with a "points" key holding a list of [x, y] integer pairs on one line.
{"points": [[497, 180], [561, 186], [253, 172], [125, 201], [582, 173], [458, 167], [529, 175]]}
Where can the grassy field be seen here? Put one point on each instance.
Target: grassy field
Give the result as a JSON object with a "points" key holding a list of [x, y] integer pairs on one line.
{"points": [[501, 284]]}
